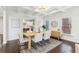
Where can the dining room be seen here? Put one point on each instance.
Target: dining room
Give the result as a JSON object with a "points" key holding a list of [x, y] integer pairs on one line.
{"points": [[39, 29]]}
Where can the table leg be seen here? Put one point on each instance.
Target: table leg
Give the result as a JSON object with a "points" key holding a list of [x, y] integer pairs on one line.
{"points": [[29, 43]]}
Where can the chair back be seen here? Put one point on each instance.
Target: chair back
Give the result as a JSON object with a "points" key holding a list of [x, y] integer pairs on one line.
{"points": [[38, 37], [47, 35]]}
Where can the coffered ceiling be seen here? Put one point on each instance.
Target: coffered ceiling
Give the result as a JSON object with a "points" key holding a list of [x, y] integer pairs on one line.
{"points": [[50, 9], [32, 10]]}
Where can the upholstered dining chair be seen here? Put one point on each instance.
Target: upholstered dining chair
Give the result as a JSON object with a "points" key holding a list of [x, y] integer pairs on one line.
{"points": [[23, 43], [37, 39], [46, 36]]}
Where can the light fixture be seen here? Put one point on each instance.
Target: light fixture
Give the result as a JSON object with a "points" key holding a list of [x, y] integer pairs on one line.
{"points": [[42, 8]]}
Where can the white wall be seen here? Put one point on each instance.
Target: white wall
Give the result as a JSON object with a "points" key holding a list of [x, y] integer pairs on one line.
{"points": [[76, 48], [14, 28], [1, 25], [73, 15], [38, 23], [58, 18]]}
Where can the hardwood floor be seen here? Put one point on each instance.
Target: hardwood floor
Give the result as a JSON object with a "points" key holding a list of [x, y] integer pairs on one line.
{"points": [[1, 39], [65, 47], [13, 47]]}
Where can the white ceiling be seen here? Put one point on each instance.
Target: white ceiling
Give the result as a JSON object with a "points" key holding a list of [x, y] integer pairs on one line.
{"points": [[50, 10], [31, 10]]}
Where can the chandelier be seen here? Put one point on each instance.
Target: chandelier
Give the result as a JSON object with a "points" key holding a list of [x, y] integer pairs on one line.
{"points": [[42, 9]]}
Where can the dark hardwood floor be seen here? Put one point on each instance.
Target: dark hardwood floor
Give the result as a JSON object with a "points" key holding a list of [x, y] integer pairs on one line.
{"points": [[1, 39], [65, 47], [11, 47], [14, 47]]}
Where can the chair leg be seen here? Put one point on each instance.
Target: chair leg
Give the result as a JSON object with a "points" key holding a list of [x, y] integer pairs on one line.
{"points": [[48, 41], [43, 42], [58, 38], [34, 45], [40, 43]]}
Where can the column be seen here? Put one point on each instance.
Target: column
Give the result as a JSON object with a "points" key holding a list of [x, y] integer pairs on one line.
{"points": [[21, 30], [5, 27]]}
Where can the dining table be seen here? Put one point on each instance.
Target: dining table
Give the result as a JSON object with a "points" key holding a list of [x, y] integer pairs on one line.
{"points": [[30, 34]]}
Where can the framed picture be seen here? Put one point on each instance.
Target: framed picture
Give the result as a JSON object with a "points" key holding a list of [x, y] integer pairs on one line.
{"points": [[54, 24]]}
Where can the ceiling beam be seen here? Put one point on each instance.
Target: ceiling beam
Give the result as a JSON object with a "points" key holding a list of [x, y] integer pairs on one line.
{"points": [[59, 9]]}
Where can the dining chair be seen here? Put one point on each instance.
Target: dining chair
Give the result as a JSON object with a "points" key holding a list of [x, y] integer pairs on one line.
{"points": [[23, 43], [37, 39], [46, 36]]}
